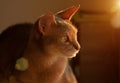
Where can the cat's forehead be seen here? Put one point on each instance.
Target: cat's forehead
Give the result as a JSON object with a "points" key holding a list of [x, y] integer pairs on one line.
{"points": [[66, 24]]}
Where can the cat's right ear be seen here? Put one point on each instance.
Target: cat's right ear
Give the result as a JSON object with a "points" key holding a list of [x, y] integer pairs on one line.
{"points": [[45, 22], [68, 13]]}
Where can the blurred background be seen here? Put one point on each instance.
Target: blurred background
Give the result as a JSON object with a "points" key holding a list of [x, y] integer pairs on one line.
{"points": [[98, 23]]}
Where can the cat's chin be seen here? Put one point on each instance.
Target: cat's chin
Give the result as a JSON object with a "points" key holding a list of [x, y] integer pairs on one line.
{"points": [[72, 55]]}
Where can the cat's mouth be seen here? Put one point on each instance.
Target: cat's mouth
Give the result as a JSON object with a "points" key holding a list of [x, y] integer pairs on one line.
{"points": [[72, 53]]}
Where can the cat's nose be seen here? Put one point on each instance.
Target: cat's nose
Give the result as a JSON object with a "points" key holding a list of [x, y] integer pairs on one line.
{"points": [[76, 46]]}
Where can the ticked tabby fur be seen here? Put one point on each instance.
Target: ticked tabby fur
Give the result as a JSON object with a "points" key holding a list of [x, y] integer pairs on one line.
{"points": [[44, 47]]}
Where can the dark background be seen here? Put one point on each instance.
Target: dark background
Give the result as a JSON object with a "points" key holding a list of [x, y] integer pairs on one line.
{"points": [[98, 59]]}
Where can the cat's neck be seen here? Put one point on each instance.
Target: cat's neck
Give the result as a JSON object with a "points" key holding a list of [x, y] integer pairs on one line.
{"points": [[38, 55], [36, 50], [43, 64]]}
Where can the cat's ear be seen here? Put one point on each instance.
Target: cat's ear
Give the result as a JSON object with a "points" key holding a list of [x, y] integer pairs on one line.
{"points": [[45, 22], [68, 13]]}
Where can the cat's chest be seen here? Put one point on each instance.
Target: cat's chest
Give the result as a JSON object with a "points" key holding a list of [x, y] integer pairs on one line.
{"points": [[44, 70]]}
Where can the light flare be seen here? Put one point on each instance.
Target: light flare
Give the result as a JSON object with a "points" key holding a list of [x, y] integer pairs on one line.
{"points": [[115, 21], [118, 4]]}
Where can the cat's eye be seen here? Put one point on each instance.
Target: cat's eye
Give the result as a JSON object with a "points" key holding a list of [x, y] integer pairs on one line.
{"points": [[65, 39]]}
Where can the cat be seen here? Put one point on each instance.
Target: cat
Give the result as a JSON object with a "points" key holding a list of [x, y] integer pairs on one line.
{"points": [[40, 52]]}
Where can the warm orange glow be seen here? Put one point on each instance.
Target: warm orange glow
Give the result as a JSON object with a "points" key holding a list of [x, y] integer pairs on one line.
{"points": [[118, 4], [115, 21]]}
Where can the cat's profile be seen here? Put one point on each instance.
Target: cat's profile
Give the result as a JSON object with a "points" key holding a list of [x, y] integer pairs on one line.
{"points": [[39, 53]]}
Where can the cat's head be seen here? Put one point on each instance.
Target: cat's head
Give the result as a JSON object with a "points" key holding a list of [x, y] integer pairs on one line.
{"points": [[59, 36]]}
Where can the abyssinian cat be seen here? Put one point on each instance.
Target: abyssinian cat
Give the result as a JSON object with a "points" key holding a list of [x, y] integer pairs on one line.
{"points": [[39, 53]]}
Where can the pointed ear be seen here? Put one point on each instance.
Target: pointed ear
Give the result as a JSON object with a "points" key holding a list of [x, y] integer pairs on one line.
{"points": [[45, 21], [68, 13]]}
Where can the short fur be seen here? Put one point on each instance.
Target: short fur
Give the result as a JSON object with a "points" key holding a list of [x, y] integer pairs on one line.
{"points": [[47, 45]]}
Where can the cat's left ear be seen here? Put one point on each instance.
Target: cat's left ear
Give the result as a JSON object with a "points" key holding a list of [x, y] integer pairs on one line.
{"points": [[68, 13], [45, 21]]}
